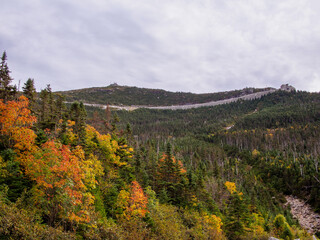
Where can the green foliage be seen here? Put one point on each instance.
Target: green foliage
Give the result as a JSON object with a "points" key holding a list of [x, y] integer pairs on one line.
{"points": [[282, 228], [11, 177], [237, 217], [29, 91], [78, 115]]}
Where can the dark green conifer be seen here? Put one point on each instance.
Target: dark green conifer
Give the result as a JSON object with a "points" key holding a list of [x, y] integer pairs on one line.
{"points": [[7, 91], [78, 114], [29, 91]]}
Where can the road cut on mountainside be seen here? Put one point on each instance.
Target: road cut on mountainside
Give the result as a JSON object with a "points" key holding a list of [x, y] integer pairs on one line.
{"points": [[188, 106]]}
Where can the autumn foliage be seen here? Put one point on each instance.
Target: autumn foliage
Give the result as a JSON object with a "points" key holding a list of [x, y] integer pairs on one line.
{"points": [[15, 123], [133, 203], [60, 188]]}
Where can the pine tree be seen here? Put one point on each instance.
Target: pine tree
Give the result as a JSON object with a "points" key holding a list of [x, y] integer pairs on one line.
{"points": [[171, 177], [6, 90], [60, 107], [237, 217], [44, 114], [30, 92], [78, 114]]}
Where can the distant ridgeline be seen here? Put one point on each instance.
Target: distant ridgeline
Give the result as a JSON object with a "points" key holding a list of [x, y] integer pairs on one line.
{"points": [[116, 95], [186, 100]]}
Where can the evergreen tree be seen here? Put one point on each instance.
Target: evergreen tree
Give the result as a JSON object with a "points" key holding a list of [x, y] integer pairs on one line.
{"points": [[30, 92], [6, 90], [237, 217], [45, 108], [171, 177], [78, 114], [60, 107]]}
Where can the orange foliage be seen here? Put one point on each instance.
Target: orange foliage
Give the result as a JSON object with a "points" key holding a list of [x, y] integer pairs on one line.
{"points": [[15, 123], [133, 203], [138, 201], [60, 189]]}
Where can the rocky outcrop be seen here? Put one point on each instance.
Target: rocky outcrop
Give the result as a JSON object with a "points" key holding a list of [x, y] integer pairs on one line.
{"points": [[302, 211], [287, 88]]}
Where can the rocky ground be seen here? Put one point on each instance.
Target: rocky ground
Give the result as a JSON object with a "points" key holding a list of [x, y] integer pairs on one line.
{"points": [[307, 218]]}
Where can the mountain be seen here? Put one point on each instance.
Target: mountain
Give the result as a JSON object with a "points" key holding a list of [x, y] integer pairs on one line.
{"points": [[124, 95], [226, 168]]}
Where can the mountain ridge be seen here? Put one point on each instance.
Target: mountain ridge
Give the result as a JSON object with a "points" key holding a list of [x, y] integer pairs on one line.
{"points": [[187, 106], [130, 96]]}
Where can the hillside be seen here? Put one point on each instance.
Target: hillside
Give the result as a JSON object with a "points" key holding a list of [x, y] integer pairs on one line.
{"points": [[124, 95], [281, 127], [70, 171]]}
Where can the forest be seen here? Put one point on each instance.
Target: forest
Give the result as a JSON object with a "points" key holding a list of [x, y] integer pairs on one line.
{"points": [[73, 172]]}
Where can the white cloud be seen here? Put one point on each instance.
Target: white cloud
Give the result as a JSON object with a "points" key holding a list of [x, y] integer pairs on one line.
{"points": [[179, 45]]}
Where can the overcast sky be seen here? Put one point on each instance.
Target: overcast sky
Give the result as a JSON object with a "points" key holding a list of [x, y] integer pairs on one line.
{"points": [[177, 45]]}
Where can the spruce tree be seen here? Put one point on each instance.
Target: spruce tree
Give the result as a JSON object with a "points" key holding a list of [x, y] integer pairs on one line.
{"points": [[237, 217], [44, 113], [29, 91], [7, 91], [79, 114]]}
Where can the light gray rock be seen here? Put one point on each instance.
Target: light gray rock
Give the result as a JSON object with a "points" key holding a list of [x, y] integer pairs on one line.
{"points": [[307, 218]]}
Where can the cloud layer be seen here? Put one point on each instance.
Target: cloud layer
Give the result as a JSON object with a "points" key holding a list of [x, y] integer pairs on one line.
{"points": [[177, 45]]}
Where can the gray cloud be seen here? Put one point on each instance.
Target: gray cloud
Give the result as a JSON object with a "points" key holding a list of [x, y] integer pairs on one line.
{"points": [[180, 45]]}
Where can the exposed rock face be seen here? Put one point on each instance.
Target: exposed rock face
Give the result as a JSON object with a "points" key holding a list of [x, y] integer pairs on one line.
{"points": [[307, 218], [287, 88]]}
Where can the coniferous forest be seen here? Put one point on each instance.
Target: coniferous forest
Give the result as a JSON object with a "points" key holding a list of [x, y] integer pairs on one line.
{"points": [[69, 171]]}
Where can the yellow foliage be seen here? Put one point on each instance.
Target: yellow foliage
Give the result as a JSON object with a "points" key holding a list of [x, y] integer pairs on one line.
{"points": [[231, 187], [134, 203], [70, 135], [203, 225], [255, 153], [70, 123], [212, 222], [91, 167], [257, 224], [167, 222], [123, 200]]}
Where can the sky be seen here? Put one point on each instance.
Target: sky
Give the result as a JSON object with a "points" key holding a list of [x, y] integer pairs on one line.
{"points": [[177, 45]]}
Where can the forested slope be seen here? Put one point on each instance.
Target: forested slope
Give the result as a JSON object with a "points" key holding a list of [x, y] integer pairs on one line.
{"points": [[275, 137], [67, 172]]}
